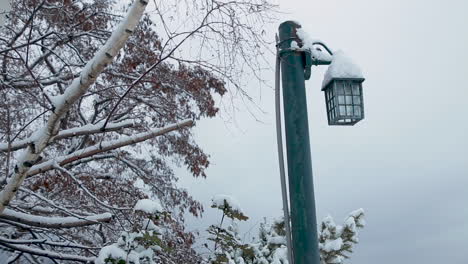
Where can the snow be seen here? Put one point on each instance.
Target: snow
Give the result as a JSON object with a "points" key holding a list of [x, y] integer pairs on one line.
{"points": [[354, 219], [294, 45], [356, 215], [279, 240], [341, 67], [107, 145], [57, 100], [218, 201], [75, 131], [280, 255], [112, 251], [296, 22], [148, 224], [97, 126], [128, 248], [80, 5], [318, 54], [332, 245], [349, 223], [143, 187], [337, 260], [52, 221], [309, 44], [148, 206], [307, 41]]}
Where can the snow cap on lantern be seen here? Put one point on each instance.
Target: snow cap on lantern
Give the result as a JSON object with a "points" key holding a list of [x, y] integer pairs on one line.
{"points": [[342, 85]]}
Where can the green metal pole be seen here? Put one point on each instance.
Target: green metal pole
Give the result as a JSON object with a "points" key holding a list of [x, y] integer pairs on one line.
{"points": [[301, 187]]}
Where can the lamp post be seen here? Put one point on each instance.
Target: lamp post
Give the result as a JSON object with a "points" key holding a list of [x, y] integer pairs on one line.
{"points": [[343, 96]]}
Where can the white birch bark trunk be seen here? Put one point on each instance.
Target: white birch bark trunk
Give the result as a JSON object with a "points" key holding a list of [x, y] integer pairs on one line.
{"points": [[78, 88]]}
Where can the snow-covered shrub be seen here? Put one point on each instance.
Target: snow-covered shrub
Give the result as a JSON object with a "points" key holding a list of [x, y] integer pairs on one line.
{"points": [[143, 246], [228, 247], [336, 241]]}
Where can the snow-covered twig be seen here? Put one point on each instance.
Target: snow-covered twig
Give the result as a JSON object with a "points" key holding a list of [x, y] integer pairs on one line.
{"points": [[89, 159], [76, 90], [40, 197], [45, 253], [45, 242], [76, 131], [54, 222], [106, 146]]}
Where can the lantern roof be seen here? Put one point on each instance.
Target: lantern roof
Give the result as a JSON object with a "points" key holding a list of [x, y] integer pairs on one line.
{"points": [[342, 67]]}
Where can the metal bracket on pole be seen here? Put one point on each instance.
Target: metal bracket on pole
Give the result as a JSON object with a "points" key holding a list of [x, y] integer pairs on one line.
{"points": [[307, 64]]}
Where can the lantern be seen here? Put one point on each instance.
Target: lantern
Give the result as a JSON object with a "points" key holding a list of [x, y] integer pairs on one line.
{"points": [[344, 101]]}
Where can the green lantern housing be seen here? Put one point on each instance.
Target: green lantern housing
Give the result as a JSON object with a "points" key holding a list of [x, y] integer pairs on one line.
{"points": [[344, 101]]}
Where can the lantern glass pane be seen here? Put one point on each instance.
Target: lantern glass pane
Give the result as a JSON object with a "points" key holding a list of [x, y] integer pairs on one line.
{"points": [[341, 99], [348, 88], [349, 110], [356, 89], [357, 111], [356, 100], [342, 110], [339, 87], [349, 99]]}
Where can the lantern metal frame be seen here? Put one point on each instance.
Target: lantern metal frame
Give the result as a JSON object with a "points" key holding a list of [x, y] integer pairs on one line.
{"points": [[344, 101]]}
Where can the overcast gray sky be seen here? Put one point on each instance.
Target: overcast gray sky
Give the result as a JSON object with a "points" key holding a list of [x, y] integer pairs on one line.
{"points": [[4, 5], [406, 164]]}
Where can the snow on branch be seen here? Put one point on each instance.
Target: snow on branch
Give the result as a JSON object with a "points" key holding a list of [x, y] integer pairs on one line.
{"points": [[72, 132], [106, 146], [45, 242], [54, 222], [45, 253], [54, 205], [76, 90]]}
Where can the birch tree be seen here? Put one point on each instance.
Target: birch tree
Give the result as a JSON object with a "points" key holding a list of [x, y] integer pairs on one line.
{"points": [[97, 102]]}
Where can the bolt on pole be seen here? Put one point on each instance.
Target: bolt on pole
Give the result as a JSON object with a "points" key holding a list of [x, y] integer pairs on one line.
{"points": [[301, 187]]}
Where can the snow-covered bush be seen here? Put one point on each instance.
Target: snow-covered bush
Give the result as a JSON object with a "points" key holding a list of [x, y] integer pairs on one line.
{"points": [[228, 247], [141, 246], [335, 242]]}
